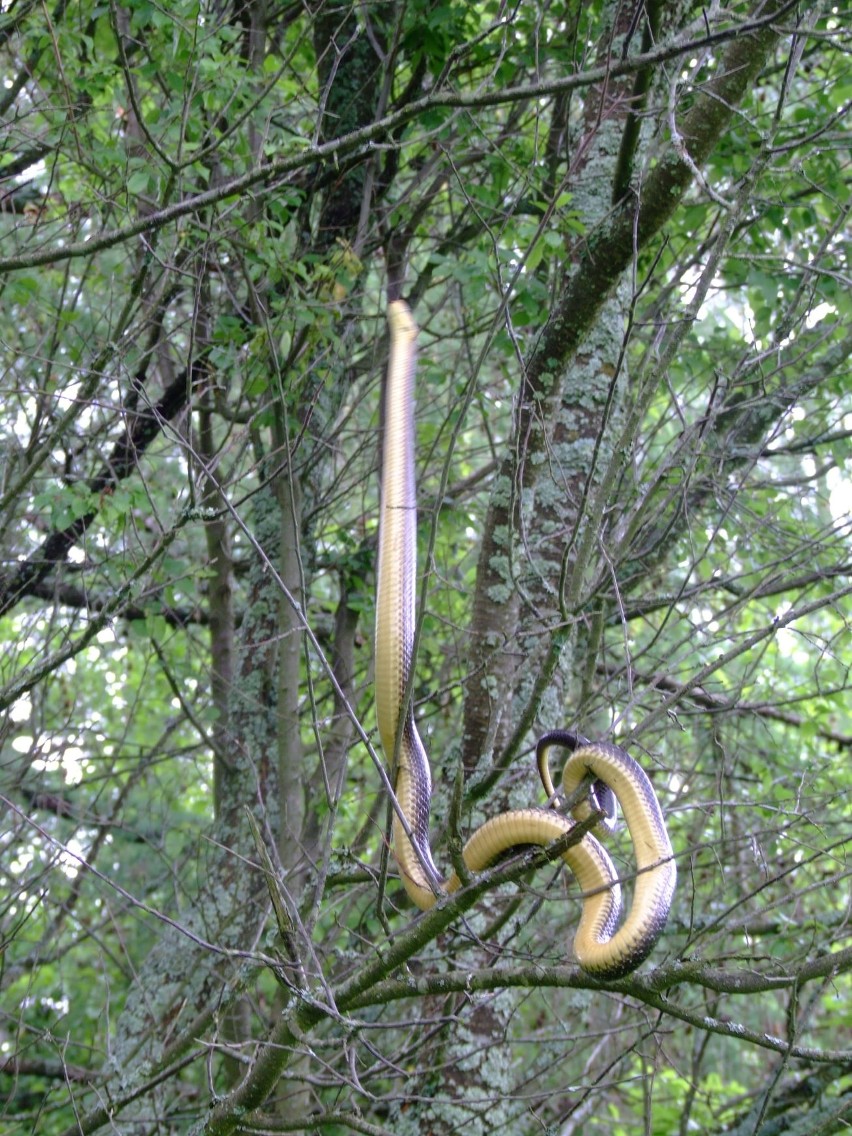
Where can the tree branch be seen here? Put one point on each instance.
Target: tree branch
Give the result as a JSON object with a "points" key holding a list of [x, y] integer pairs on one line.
{"points": [[366, 140], [123, 460]]}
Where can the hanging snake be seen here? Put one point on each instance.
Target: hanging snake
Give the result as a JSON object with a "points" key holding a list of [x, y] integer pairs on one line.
{"points": [[599, 947]]}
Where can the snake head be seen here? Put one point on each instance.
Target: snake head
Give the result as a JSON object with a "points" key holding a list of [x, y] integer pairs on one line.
{"points": [[591, 794]]}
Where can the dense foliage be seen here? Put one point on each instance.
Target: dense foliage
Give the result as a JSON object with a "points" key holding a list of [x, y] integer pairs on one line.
{"points": [[623, 229]]}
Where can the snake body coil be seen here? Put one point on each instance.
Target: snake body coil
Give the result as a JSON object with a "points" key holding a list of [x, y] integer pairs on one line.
{"points": [[598, 947]]}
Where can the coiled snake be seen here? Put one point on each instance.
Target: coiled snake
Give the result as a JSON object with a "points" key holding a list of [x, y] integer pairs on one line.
{"points": [[599, 948]]}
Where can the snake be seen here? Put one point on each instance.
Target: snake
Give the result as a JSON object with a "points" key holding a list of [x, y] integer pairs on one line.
{"points": [[601, 947]]}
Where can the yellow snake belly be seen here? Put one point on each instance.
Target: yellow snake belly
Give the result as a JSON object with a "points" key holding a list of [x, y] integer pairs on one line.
{"points": [[599, 947]]}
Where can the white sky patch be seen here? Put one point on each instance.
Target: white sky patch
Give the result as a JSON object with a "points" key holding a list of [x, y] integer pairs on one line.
{"points": [[70, 859], [73, 762], [717, 306], [22, 861], [677, 784], [818, 314], [70, 393], [839, 496], [21, 426], [790, 646], [21, 710], [789, 640]]}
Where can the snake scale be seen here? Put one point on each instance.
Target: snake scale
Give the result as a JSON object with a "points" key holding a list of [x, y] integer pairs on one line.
{"points": [[601, 946]]}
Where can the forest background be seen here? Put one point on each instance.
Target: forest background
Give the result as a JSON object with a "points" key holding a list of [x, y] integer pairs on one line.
{"points": [[623, 229]]}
